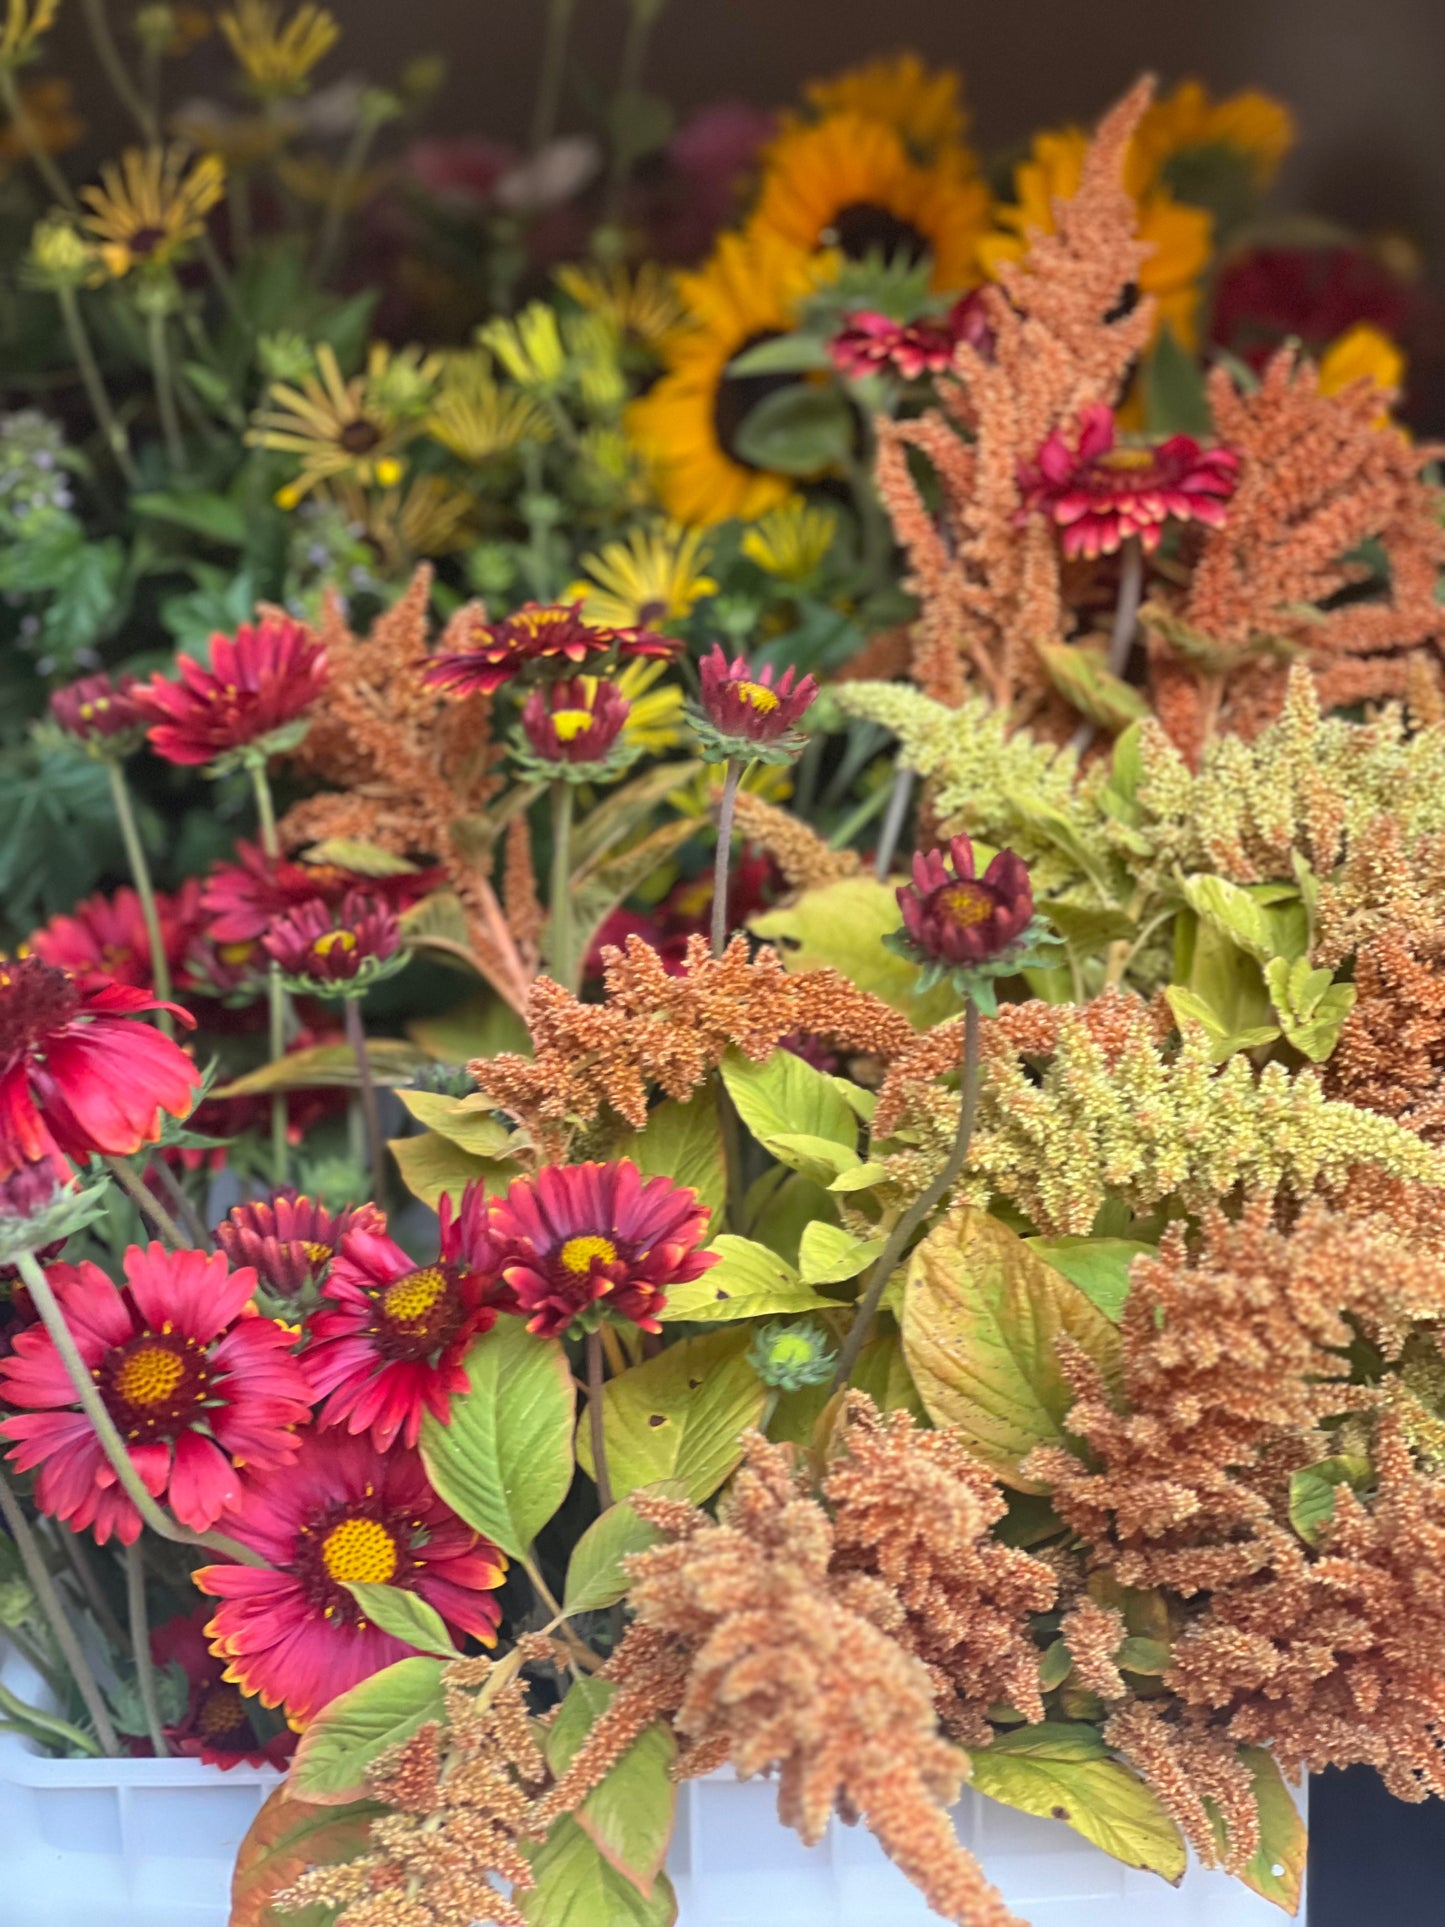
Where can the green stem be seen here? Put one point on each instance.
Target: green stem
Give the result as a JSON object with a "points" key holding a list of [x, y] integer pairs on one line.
{"points": [[39, 159], [224, 285], [111, 1442], [116, 71], [596, 1429], [95, 390], [147, 1203], [843, 836], [917, 1213], [564, 964], [158, 343], [642, 17], [276, 990], [73, 1546], [371, 1115], [140, 1646], [900, 796], [553, 72], [732, 776], [20, 1717], [328, 248], [140, 873], [186, 1213], [43, 1586]]}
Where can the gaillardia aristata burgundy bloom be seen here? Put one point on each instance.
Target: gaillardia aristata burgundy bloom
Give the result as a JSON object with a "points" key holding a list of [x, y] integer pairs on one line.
{"points": [[217, 1726], [541, 640], [341, 949], [389, 1341], [195, 1383], [573, 727], [1101, 493], [578, 1240], [258, 684], [291, 1632], [951, 915], [243, 898], [100, 712], [290, 1241], [75, 1077], [745, 715], [105, 936]]}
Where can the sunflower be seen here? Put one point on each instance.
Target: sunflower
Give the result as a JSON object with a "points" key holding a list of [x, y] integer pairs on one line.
{"points": [[150, 205], [348, 431], [652, 579], [643, 306], [790, 541], [747, 293], [278, 57], [848, 183], [924, 107], [478, 419], [1179, 237], [1183, 126], [1363, 353]]}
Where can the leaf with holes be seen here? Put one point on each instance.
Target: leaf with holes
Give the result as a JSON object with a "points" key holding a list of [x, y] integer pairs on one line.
{"points": [[679, 1416], [749, 1281], [343, 1740]]}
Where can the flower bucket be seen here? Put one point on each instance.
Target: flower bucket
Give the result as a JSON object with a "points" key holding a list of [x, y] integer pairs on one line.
{"points": [[150, 1843]]}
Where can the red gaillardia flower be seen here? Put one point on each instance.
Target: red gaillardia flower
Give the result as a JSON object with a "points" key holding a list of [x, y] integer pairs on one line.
{"points": [[341, 950], [573, 727], [218, 1726], [540, 640], [105, 937], [388, 1343], [954, 916], [745, 716], [869, 342], [195, 1383], [578, 1240], [258, 683], [290, 1241], [344, 1513], [75, 1077], [243, 899], [1101, 494], [100, 712]]}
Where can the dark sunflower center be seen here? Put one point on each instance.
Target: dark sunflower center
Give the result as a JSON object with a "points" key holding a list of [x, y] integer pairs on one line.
{"points": [[418, 1313], [864, 227], [344, 1544], [36, 1001], [222, 1716], [736, 395], [154, 1385], [359, 437], [146, 240]]}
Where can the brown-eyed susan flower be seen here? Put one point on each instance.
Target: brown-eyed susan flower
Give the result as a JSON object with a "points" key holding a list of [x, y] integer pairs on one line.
{"points": [[968, 927], [923, 105], [580, 1240], [870, 343], [642, 304], [479, 419], [336, 950], [99, 711], [150, 205], [1363, 353], [276, 53], [652, 579], [289, 1241], [792, 540], [573, 730], [541, 639], [290, 1630], [259, 685], [354, 430], [1102, 493], [746, 716]]}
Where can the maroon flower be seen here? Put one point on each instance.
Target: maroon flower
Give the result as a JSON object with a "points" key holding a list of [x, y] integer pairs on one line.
{"points": [[105, 937], [953, 916], [96, 709], [290, 1241], [243, 899], [577, 721], [1101, 494], [541, 639], [744, 713], [577, 1236], [870, 342], [257, 684], [218, 1726], [335, 945]]}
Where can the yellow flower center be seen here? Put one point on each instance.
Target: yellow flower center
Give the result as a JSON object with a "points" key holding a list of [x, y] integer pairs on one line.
{"points": [[966, 904], [359, 1551], [571, 723], [758, 696], [317, 1253], [223, 1712], [1127, 458], [580, 1254], [334, 940], [409, 1300], [234, 954], [149, 1376]]}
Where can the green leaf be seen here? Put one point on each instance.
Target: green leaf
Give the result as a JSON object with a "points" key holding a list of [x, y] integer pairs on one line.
{"points": [[214, 516], [818, 1158], [780, 1206], [783, 1098], [286, 1837], [1082, 677], [628, 1816], [483, 1026], [1311, 1006], [1265, 921], [468, 1122], [867, 1177], [1276, 1870], [598, 894], [842, 925], [749, 1281], [982, 1314], [405, 1615], [330, 1066], [679, 1416], [828, 1254], [432, 1167], [797, 430], [1223, 1042], [1176, 400], [1098, 1266], [795, 354], [1065, 1772], [342, 1741], [683, 1142], [575, 1887], [504, 1459], [623, 809], [1313, 1488], [595, 1575]]}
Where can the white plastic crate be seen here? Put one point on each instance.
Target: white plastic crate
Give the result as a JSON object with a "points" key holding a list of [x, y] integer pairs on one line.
{"points": [[151, 1843]]}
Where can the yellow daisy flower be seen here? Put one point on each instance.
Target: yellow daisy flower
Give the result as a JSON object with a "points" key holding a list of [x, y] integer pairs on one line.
{"points": [[1363, 353], [1179, 237], [150, 205], [1251, 124], [848, 183], [791, 540], [773, 782], [652, 579], [25, 21], [642, 305], [427, 516], [922, 105], [348, 431], [747, 293], [655, 722], [477, 418], [529, 346], [278, 57]]}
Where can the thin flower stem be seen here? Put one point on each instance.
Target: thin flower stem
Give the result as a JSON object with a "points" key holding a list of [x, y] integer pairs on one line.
{"points": [[30, 1718], [642, 17], [595, 1427], [922, 1206], [276, 990], [370, 1113], [73, 1546], [111, 1442], [140, 1646], [1126, 621], [220, 274], [44, 166], [94, 384], [158, 343], [147, 1203], [899, 798], [140, 872], [732, 776], [116, 71], [43, 1586], [185, 1212], [553, 72], [328, 248], [564, 963]]}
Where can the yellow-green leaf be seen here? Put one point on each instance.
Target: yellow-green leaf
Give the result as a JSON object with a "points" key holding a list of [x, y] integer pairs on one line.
{"points": [[1065, 1772], [679, 1416], [1312, 1492], [330, 1066], [748, 1281], [287, 1836], [982, 1315], [405, 1615], [682, 1142], [1277, 1869], [784, 1097], [595, 1575], [382, 1711], [483, 1026], [575, 1887], [828, 1255], [1098, 1266], [1082, 677], [843, 925], [628, 1815], [467, 1121], [432, 1167]]}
